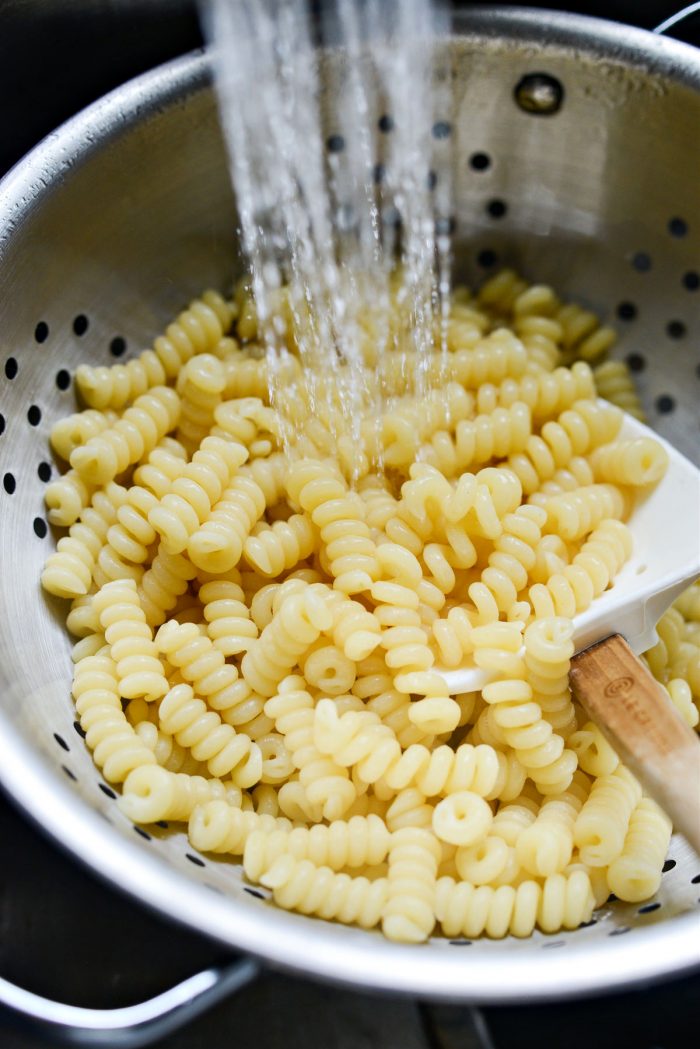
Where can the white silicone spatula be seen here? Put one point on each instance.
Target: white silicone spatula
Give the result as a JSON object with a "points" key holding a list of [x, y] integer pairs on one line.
{"points": [[613, 686], [665, 526]]}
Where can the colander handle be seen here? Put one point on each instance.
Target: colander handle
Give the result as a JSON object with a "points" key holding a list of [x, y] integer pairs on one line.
{"points": [[679, 16], [133, 1025]]}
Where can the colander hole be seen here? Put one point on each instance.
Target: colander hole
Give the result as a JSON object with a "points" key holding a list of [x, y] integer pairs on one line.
{"points": [[675, 329], [44, 472], [195, 859], [641, 262], [480, 162], [620, 932], [80, 324], [61, 741], [335, 143], [460, 943], [117, 346], [391, 216], [69, 774], [11, 368], [487, 258], [626, 311], [142, 833], [442, 129], [378, 173], [497, 208], [63, 379], [385, 123], [9, 483], [253, 892], [677, 227], [668, 866], [107, 790], [34, 415], [636, 362], [665, 404], [556, 943], [79, 729], [40, 527], [2, 424], [641, 569], [41, 332], [431, 181], [695, 880], [648, 908], [691, 280]]}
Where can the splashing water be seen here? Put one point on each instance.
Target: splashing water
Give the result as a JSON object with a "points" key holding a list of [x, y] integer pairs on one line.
{"points": [[347, 261]]}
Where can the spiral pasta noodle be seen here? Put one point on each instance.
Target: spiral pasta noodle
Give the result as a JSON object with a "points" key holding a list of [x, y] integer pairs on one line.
{"points": [[135, 434], [310, 576], [188, 503], [196, 329], [130, 639], [116, 748]]}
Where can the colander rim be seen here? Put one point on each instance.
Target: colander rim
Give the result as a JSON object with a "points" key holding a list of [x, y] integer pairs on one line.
{"points": [[285, 940]]}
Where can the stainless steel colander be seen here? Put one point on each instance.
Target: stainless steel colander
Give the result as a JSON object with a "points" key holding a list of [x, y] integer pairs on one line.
{"points": [[576, 158]]}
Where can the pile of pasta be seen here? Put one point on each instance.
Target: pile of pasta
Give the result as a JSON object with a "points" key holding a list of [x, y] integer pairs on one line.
{"points": [[261, 628]]}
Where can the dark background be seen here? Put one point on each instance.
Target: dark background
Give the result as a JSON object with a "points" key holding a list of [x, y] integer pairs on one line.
{"points": [[58, 55], [64, 934]]}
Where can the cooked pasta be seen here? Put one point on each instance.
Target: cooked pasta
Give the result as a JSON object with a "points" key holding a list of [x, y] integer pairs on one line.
{"points": [[309, 577], [134, 435]]}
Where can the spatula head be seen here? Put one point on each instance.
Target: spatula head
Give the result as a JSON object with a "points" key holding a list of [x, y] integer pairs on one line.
{"points": [[665, 527]]}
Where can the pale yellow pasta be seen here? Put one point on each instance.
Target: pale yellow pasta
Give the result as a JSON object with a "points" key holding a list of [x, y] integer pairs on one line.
{"points": [[195, 330], [614, 382], [200, 384], [72, 431], [69, 571], [546, 846], [462, 818], [273, 549], [130, 639], [601, 825], [116, 747], [636, 873], [181, 511], [217, 826], [151, 793], [595, 755], [135, 434], [578, 513], [309, 577], [328, 669], [229, 625], [409, 912], [66, 498], [640, 461], [298, 885], [576, 431], [546, 394], [357, 842], [202, 731], [561, 902], [326, 784]]}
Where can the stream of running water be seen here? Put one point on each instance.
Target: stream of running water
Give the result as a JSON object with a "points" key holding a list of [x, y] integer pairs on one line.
{"points": [[329, 121]]}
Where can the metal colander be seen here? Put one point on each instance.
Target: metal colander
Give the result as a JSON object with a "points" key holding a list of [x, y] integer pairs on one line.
{"points": [[575, 155]]}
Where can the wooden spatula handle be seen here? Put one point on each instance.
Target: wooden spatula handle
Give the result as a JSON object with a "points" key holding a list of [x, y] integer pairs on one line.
{"points": [[637, 717]]}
